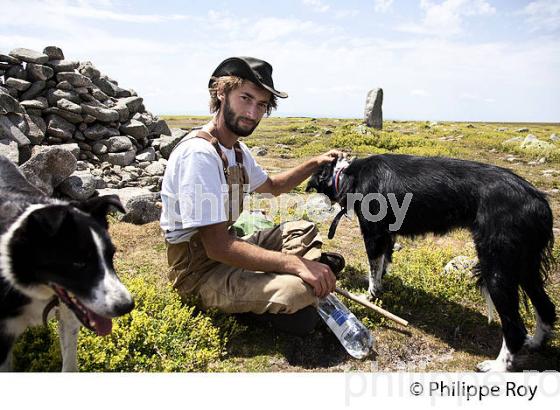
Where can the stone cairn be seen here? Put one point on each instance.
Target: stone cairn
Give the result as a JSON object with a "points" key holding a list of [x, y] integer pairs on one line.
{"points": [[50, 106]]}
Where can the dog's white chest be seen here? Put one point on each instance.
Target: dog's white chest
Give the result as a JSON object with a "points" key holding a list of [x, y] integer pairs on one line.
{"points": [[31, 315]]}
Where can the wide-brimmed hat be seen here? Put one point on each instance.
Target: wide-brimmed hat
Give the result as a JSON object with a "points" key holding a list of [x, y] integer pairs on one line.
{"points": [[249, 68]]}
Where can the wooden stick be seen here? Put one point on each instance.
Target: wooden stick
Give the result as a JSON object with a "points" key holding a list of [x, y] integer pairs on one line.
{"points": [[367, 303]]}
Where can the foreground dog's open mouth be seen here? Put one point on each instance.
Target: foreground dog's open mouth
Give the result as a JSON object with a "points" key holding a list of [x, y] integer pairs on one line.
{"points": [[102, 326]]}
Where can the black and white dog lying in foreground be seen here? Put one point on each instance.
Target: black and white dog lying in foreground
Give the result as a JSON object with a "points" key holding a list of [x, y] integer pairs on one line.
{"points": [[510, 221], [53, 251]]}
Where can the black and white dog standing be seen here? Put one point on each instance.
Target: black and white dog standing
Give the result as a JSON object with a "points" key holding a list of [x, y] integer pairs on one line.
{"points": [[510, 220], [55, 253]]}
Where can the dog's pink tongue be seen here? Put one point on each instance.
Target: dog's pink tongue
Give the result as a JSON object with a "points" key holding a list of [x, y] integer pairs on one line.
{"points": [[103, 325]]}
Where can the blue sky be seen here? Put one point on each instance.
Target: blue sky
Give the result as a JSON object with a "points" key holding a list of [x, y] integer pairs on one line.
{"points": [[471, 60]]}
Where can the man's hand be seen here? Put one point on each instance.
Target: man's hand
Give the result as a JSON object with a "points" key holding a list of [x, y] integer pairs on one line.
{"points": [[328, 157], [318, 275]]}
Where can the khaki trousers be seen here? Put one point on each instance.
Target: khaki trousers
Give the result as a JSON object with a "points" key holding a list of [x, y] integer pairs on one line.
{"points": [[237, 290]]}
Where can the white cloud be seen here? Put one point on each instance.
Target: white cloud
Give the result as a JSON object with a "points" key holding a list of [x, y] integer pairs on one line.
{"points": [[317, 5], [419, 92], [446, 18], [542, 15], [64, 9], [381, 6]]}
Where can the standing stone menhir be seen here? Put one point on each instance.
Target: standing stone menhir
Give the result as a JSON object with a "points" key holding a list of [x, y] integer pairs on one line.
{"points": [[373, 114]]}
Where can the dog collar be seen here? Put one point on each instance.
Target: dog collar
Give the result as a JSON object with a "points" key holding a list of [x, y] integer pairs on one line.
{"points": [[52, 304], [336, 179]]}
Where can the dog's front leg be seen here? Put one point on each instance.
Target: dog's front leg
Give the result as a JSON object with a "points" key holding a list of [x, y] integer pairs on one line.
{"points": [[68, 329], [376, 244]]}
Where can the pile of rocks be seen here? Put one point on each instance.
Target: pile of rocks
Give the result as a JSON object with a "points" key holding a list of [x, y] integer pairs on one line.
{"points": [[47, 100]]}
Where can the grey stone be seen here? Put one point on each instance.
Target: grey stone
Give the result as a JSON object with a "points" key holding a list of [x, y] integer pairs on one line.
{"points": [[142, 206], [373, 113], [17, 84], [554, 137], [88, 69], [460, 265], [75, 79], [121, 93], [8, 59], [29, 56], [54, 53], [119, 158], [9, 104], [259, 151], [532, 143], [148, 154], [54, 95], [19, 121], [16, 71], [106, 86], [118, 144], [36, 89], [37, 129], [63, 66], [72, 148], [9, 149], [155, 169], [79, 186], [49, 167], [135, 129], [68, 105], [166, 145], [88, 119], [102, 114], [100, 148], [40, 103], [64, 85], [99, 95], [122, 109], [522, 130], [59, 127], [96, 132], [133, 103], [160, 127], [10, 131], [79, 135], [67, 115], [84, 146], [145, 118], [38, 72]]}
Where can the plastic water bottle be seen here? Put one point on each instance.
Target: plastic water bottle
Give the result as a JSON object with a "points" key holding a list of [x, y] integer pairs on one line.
{"points": [[354, 336]]}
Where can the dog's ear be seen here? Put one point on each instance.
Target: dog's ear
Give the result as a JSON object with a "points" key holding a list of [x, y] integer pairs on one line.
{"points": [[98, 207], [48, 220]]}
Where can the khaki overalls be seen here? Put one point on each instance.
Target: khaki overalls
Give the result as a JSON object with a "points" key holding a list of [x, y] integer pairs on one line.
{"points": [[237, 290]]}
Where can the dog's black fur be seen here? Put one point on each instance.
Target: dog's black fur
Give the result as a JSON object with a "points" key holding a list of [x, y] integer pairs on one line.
{"points": [[510, 220], [51, 248]]}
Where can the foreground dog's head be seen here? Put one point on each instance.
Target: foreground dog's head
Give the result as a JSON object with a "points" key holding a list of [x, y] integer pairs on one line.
{"points": [[65, 249], [323, 180]]}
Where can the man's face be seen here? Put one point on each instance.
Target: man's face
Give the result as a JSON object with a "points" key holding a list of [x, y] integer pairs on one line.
{"points": [[244, 107]]}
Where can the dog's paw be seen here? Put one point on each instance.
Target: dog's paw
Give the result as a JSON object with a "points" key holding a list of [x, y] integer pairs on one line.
{"points": [[375, 292], [493, 366]]}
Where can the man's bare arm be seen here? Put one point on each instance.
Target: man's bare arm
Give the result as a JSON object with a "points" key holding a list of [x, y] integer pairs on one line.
{"points": [[223, 247], [288, 180]]}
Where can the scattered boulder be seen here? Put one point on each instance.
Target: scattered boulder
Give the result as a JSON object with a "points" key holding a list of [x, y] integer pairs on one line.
{"points": [[460, 265], [259, 151], [48, 168], [142, 206], [29, 56], [80, 186]]}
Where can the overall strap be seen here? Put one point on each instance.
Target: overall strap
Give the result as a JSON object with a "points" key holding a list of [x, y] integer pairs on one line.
{"points": [[214, 141]]}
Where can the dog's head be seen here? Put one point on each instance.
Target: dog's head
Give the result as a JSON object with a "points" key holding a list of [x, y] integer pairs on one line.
{"points": [[323, 180], [65, 248]]}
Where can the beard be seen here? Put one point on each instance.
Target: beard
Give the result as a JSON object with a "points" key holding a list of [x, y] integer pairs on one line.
{"points": [[232, 121]]}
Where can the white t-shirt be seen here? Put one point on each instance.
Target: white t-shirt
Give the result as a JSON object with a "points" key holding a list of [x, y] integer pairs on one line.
{"points": [[194, 191]]}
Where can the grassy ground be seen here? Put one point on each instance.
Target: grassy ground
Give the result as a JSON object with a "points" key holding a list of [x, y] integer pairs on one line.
{"points": [[448, 328]]}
